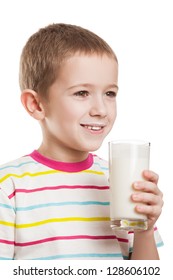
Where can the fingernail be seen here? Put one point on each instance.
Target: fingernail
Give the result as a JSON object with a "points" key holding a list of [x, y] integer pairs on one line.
{"points": [[139, 208], [136, 185]]}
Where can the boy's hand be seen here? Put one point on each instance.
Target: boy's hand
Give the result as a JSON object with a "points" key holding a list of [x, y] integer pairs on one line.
{"points": [[149, 197]]}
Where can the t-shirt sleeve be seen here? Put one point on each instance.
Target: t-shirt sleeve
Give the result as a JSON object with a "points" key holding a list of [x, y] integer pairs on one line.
{"points": [[7, 227]]}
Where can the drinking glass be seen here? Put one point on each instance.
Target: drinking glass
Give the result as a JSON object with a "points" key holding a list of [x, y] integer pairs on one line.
{"points": [[127, 161]]}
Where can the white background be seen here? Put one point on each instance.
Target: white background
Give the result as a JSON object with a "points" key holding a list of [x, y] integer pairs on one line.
{"points": [[141, 34]]}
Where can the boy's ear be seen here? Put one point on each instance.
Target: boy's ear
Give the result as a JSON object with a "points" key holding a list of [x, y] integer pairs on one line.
{"points": [[32, 104]]}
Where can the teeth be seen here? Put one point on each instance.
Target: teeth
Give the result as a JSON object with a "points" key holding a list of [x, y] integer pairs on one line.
{"points": [[94, 127]]}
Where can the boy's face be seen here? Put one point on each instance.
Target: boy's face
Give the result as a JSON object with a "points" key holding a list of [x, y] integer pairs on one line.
{"points": [[81, 108]]}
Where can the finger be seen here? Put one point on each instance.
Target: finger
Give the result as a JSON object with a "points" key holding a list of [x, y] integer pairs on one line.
{"points": [[151, 176], [152, 211], [146, 186], [147, 198]]}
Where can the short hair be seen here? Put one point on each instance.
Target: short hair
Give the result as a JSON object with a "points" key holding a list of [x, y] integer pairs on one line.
{"points": [[46, 49]]}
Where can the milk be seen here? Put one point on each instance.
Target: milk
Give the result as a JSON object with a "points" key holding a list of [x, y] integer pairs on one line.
{"points": [[126, 164]]}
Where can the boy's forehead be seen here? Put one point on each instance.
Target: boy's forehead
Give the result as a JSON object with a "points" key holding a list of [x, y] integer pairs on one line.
{"points": [[81, 60], [84, 68]]}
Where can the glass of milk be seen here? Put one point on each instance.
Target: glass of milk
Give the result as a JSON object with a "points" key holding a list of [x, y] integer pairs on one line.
{"points": [[127, 161]]}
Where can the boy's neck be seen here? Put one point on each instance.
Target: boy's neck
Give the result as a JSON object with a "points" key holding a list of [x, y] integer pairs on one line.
{"points": [[58, 154]]}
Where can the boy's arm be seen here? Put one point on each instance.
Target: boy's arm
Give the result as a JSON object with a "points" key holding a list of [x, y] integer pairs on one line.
{"points": [[144, 247], [149, 201], [7, 230]]}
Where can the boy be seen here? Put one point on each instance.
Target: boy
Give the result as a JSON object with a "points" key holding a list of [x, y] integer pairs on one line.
{"points": [[54, 202]]}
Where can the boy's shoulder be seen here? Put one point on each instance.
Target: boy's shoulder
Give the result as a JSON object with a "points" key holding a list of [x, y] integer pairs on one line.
{"points": [[16, 165], [101, 164], [27, 163], [99, 160]]}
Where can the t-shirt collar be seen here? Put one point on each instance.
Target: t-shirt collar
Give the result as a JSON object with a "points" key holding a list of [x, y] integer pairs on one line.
{"points": [[63, 166]]}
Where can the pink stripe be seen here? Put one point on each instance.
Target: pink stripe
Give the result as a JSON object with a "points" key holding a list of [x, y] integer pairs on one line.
{"points": [[7, 242], [123, 240], [58, 188], [11, 195], [71, 238]]}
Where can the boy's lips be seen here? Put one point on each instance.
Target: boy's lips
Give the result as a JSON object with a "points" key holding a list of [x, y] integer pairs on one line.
{"points": [[94, 127]]}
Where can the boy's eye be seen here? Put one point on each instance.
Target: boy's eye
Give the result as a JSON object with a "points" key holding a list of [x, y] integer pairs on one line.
{"points": [[111, 94], [81, 93]]}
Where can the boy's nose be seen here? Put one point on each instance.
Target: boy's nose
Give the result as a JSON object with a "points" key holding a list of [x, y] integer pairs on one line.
{"points": [[98, 107]]}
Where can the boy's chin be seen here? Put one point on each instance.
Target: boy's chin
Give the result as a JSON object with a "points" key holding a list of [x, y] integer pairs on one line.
{"points": [[94, 147]]}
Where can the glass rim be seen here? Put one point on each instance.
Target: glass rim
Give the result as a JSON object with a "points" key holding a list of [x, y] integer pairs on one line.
{"points": [[130, 142]]}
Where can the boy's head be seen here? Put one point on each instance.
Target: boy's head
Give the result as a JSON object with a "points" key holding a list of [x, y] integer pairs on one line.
{"points": [[68, 78], [45, 51]]}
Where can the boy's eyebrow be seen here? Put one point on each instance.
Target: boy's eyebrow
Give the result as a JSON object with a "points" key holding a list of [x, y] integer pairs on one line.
{"points": [[113, 85], [90, 85]]}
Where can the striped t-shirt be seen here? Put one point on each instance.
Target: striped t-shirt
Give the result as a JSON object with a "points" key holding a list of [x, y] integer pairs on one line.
{"points": [[56, 210]]}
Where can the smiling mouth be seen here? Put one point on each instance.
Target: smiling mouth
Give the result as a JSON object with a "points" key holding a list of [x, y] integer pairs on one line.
{"points": [[93, 127]]}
